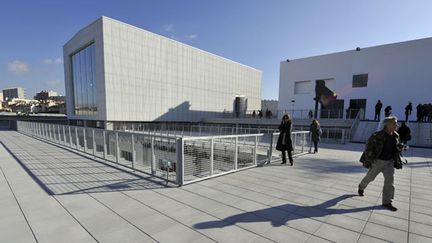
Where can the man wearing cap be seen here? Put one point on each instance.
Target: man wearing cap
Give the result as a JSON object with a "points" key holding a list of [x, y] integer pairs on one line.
{"points": [[381, 153]]}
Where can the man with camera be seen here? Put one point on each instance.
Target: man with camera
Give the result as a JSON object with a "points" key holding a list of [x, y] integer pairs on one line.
{"points": [[382, 154]]}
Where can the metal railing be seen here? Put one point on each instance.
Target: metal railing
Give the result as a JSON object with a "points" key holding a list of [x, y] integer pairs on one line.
{"points": [[182, 130], [344, 114], [142, 152], [180, 160], [301, 114], [301, 143]]}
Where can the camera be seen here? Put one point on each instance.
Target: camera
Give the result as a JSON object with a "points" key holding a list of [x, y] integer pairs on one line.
{"points": [[402, 147]]}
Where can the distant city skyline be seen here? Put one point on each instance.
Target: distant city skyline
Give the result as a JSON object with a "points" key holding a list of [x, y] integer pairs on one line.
{"points": [[256, 33]]}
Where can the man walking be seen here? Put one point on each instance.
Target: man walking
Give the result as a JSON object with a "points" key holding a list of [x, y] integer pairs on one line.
{"points": [[382, 151], [378, 107]]}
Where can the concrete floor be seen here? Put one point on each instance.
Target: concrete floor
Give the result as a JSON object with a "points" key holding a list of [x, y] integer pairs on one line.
{"points": [[49, 194]]}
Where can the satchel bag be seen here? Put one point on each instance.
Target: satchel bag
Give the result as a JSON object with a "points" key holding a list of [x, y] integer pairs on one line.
{"points": [[399, 164], [279, 147]]}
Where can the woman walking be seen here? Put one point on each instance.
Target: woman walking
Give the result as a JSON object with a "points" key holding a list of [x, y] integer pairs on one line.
{"points": [[316, 132], [284, 143]]}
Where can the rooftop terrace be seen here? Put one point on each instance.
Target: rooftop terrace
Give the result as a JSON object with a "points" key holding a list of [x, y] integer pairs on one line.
{"points": [[50, 194]]}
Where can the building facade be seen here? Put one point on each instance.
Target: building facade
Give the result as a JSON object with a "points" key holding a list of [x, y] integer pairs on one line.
{"points": [[118, 72], [11, 93], [270, 105], [393, 73], [45, 95]]}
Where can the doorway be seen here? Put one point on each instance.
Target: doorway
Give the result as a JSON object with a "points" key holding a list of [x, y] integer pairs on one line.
{"points": [[354, 108], [334, 109]]}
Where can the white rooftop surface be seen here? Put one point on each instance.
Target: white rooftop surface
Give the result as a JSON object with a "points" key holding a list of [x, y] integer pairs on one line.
{"points": [[50, 194]]}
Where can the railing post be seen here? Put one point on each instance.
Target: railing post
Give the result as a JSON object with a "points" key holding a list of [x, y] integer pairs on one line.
{"points": [[94, 142], [64, 135], [85, 139], [211, 156], [180, 160], [104, 144], [117, 147], [133, 150], [153, 157], [328, 133], [270, 154], [343, 136], [236, 153], [70, 137], [76, 137], [255, 151], [303, 142]]}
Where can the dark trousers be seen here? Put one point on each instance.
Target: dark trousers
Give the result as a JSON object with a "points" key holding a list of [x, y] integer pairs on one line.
{"points": [[289, 156], [316, 146], [377, 115]]}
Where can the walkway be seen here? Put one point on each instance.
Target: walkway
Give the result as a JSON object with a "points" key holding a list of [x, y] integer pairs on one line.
{"points": [[49, 194]]}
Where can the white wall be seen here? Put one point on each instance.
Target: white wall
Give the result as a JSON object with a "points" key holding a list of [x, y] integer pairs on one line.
{"points": [[398, 73], [142, 76]]}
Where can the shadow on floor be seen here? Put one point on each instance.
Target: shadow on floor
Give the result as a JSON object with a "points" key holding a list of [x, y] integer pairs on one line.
{"points": [[70, 173], [280, 215]]}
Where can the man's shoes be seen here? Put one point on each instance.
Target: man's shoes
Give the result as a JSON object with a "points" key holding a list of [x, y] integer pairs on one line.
{"points": [[291, 163], [390, 207], [283, 163], [360, 192]]}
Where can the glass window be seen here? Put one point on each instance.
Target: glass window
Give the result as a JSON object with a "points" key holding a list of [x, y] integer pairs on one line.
{"points": [[360, 80], [83, 80]]}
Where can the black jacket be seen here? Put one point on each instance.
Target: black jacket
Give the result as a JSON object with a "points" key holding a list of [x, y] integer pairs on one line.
{"points": [[404, 133], [284, 128]]}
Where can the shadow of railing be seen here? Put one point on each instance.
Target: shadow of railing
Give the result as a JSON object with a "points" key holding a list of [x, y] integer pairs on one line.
{"points": [[68, 172]]}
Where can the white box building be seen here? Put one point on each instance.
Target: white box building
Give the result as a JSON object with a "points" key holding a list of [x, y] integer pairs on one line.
{"points": [[394, 73], [118, 72]]}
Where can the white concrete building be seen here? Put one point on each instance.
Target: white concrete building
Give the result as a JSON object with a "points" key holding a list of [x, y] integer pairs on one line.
{"points": [[118, 72], [394, 73]]}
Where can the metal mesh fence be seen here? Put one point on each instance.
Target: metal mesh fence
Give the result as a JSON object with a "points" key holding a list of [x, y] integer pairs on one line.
{"points": [[178, 159], [301, 142]]}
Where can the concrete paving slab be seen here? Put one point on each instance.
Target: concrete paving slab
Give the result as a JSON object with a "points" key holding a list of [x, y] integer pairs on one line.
{"points": [[286, 234], [313, 201], [385, 233], [336, 234], [370, 239], [420, 229]]}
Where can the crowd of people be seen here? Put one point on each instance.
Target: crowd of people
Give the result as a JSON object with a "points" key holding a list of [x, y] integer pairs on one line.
{"points": [[268, 114], [424, 111], [382, 152]]}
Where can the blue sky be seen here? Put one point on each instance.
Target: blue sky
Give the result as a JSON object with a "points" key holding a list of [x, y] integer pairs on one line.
{"points": [[258, 33]]}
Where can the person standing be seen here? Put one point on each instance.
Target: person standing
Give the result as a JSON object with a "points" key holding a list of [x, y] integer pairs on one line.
{"points": [[310, 114], [284, 143], [316, 133], [387, 111], [404, 133], [381, 153], [408, 110], [378, 108]]}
